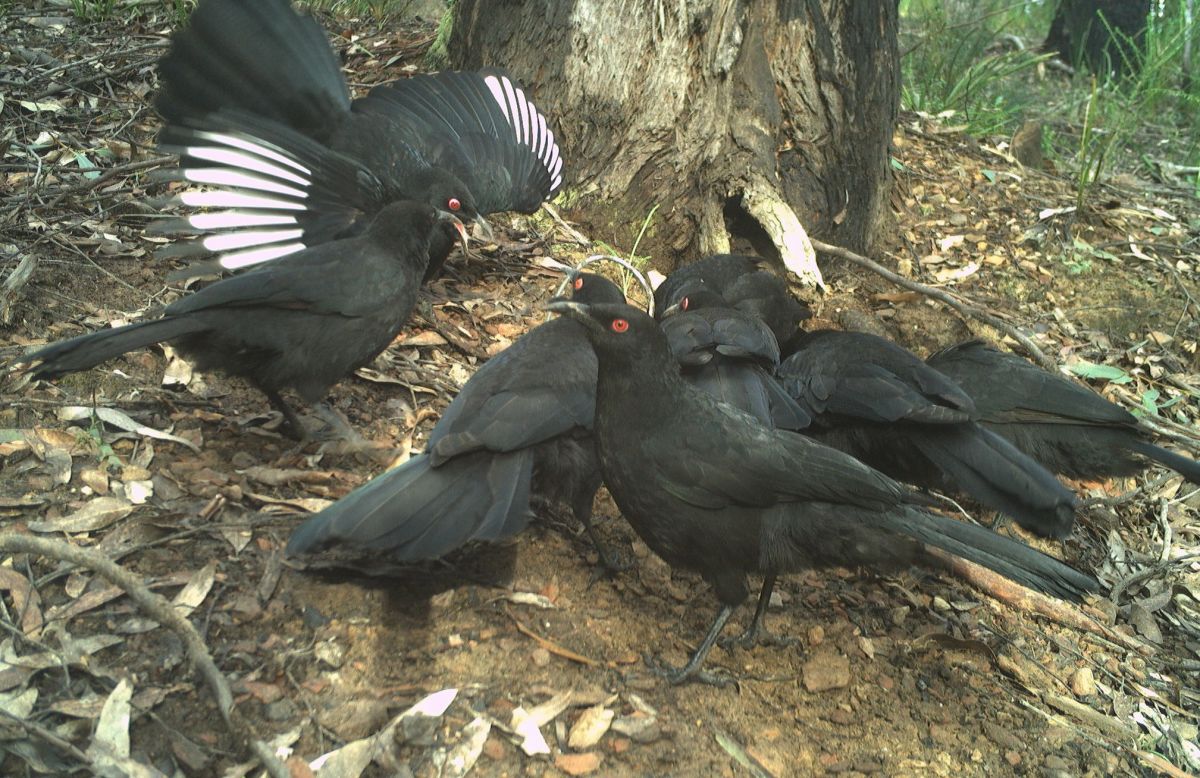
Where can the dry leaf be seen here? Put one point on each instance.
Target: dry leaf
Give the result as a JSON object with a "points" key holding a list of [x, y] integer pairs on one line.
{"points": [[97, 514]]}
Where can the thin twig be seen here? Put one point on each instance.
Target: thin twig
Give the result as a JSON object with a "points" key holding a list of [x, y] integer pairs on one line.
{"points": [[108, 175], [162, 611], [550, 645], [966, 308]]}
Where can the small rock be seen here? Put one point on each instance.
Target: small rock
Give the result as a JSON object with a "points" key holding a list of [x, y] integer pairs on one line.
{"points": [[1083, 682], [96, 479], [638, 727], [354, 719], [816, 635], [331, 653], [134, 473], [620, 745], [1056, 763], [899, 615], [280, 710], [590, 727], [1012, 757], [1001, 736], [494, 749], [540, 657], [826, 671], [578, 764], [940, 605]]}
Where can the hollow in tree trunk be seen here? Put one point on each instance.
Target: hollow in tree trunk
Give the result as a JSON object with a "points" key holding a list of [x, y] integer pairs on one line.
{"points": [[741, 121]]}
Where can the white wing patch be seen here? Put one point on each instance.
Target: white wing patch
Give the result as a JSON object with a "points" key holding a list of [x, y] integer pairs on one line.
{"points": [[257, 187], [529, 125]]}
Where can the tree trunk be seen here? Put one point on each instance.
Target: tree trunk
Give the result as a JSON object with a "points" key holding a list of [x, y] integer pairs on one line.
{"points": [[732, 117], [1083, 32]]}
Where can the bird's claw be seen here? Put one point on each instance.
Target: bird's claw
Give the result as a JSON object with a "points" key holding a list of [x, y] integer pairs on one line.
{"points": [[686, 674], [756, 637]]}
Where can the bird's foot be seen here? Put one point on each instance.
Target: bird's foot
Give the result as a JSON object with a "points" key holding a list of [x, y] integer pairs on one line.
{"points": [[689, 673], [609, 565], [756, 636]]}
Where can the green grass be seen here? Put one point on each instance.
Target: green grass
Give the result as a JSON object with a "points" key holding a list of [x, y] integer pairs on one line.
{"points": [[957, 64]]}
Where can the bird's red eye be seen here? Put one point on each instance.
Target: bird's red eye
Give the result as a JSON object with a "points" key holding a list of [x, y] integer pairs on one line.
{"points": [[683, 304], [578, 283], [454, 204], [620, 325]]}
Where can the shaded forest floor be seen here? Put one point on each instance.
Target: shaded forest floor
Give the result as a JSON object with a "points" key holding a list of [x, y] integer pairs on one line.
{"points": [[911, 675]]}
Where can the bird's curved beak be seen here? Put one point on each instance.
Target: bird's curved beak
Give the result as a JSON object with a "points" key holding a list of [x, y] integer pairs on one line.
{"points": [[572, 310], [445, 217], [670, 310]]}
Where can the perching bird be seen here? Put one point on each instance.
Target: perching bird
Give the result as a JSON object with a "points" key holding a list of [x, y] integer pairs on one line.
{"points": [[710, 489], [716, 271], [247, 85], [883, 405], [301, 323], [730, 354], [1063, 425], [520, 427]]}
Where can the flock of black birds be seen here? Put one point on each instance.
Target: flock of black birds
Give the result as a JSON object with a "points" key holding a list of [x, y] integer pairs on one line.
{"points": [[732, 440]]}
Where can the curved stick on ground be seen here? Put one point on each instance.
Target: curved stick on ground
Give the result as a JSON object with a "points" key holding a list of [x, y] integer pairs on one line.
{"points": [[965, 308], [763, 202], [162, 611]]}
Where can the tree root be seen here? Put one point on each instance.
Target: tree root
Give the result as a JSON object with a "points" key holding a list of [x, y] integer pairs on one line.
{"points": [[1030, 601], [763, 202], [162, 611], [961, 305]]}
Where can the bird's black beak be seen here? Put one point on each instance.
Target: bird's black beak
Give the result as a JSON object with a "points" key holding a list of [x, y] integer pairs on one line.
{"points": [[580, 312], [445, 217]]}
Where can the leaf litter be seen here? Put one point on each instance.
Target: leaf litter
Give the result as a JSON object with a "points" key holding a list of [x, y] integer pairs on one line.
{"points": [[1107, 290]]}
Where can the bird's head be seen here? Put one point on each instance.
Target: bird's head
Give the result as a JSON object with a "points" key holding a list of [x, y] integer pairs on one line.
{"points": [[446, 192], [693, 296], [617, 330], [592, 288]]}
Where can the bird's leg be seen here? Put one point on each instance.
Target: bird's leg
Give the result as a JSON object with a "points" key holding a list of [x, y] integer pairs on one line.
{"points": [[756, 633], [611, 561], [691, 671], [292, 426], [349, 440]]}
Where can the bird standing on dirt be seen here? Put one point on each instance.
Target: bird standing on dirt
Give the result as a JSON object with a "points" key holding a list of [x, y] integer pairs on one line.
{"points": [[881, 404], [522, 425], [1065, 426], [710, 489], [249, 87], [301, 323]]}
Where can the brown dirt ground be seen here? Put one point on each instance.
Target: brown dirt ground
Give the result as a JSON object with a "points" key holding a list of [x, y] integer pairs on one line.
{"points": [[926, 674]]}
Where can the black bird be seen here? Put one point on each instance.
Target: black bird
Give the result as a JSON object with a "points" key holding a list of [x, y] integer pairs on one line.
{"points": [[730, 354], [522, 425], [880, 403], [300, 323], [710, 489], [716, 271], [247, 85], [1063, 425]]}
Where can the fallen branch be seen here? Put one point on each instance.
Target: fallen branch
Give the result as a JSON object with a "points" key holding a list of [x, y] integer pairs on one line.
{"points": [[965, 308], [1029, 601], [162, 611]]}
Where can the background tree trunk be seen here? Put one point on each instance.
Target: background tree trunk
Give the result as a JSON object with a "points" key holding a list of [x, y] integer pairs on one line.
{"points": [[1079, 34], [723, 113]]}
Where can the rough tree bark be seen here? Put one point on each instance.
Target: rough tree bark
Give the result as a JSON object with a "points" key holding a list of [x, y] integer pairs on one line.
{"points": [[734, 117]]}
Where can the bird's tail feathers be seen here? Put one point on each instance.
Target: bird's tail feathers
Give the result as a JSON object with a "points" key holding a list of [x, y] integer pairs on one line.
{"points": [[87, 351], [416, 511], [1188, 468], [1010, 558], [994, 472]]}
